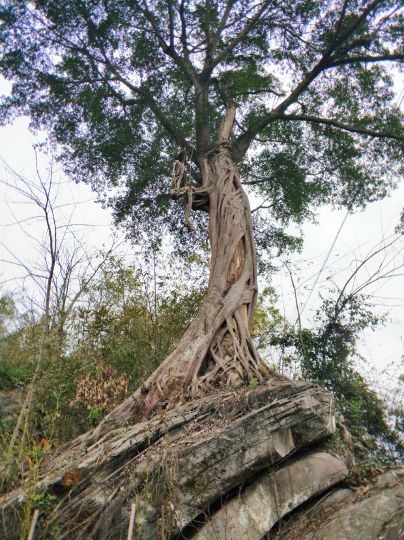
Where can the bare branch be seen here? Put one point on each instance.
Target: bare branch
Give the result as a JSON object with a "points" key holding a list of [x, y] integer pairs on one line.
{"points": [[352, 277]]}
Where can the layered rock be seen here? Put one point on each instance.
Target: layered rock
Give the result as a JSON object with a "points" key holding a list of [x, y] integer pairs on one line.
{"points": [[178, 466], [375, 511], [254, 511]]}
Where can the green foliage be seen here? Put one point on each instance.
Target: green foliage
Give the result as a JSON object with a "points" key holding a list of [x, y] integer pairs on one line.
{"points": [[125, 325], [95, 416], [253, 384], [365, 471], [7, 313], [326, 354], [43, 501], [9, 376], [115, 85], [129, 330], [267, 321], [19, 350]]}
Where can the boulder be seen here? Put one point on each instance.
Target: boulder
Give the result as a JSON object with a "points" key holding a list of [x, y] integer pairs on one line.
{"points": [[376, 511], [253, 512]]}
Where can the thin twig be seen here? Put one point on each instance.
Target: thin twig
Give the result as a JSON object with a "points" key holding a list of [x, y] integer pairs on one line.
{"points": [[131, 521], [33, 525]]}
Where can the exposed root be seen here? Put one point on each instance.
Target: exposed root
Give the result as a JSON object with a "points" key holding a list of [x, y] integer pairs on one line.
{"points": [[181, 186], [231, 361]]}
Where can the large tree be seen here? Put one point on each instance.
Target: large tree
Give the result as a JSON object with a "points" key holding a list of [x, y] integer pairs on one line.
{"points": [[294, 95]]}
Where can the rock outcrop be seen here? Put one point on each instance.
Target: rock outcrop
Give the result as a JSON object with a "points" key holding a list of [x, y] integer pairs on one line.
{"points": [[236, 465], [254, 511], [184, 464], [373, 512]]}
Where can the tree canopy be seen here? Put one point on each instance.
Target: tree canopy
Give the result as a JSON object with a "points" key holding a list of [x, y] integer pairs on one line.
{"points": [[123, 85]]}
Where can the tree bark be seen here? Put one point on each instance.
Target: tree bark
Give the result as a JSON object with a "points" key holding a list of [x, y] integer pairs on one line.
{"points": [[216, 351]]}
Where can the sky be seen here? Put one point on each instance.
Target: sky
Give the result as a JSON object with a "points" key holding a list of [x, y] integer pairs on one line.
{"points": [[332, 247]]}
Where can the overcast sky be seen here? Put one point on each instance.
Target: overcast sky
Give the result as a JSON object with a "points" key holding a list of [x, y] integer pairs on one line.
{"points": [[332, 246]]}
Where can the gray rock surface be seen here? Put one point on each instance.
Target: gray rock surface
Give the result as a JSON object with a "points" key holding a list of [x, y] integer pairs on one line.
{"points": [[336, 496], [241, 457], [253, 513], [375, 513], [180, 462], [262, 436]]}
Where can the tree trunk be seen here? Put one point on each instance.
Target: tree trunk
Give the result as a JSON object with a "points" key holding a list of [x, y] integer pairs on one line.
{"points": [[216, 351]]}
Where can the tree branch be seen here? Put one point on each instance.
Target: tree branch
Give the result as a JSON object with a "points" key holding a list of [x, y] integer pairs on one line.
{"points": [[208, 36], [237, 39], [140, 91], [337, 42], [259, 180], [201, 87], [366, 59], [184, 37], [226, 126], [243, 142], [169, 50], [171, 22], [341, 125], [222, 22], [258, 92]]}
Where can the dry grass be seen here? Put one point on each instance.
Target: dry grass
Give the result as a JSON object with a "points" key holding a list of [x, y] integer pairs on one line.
{"points": [[105, 390]]}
